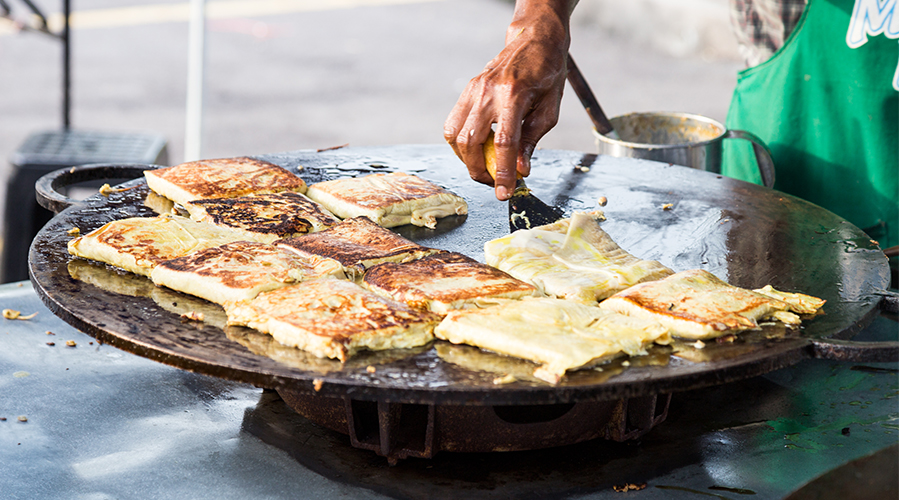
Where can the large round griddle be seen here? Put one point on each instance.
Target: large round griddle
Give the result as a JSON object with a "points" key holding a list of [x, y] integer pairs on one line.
{"points": [[747, 235]]}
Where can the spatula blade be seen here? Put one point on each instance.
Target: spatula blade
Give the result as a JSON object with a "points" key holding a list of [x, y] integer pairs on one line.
{"points": [[525, 210]]}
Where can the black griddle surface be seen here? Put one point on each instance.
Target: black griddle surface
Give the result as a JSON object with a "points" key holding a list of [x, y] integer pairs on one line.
{"points": [[748, 235]]}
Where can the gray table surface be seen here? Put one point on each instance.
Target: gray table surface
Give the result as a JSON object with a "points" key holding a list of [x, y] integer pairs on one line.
{"points": [[92, 422]]}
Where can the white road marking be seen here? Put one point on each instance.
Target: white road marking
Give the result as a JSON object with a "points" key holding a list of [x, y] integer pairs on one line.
{"points": [[140, 15]]}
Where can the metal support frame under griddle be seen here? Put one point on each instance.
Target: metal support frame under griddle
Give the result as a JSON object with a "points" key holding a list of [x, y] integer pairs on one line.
{"points": [[63, 36], [398, 431]]}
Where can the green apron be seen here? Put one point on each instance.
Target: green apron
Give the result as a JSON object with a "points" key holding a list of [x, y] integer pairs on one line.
{"points": [[829, 113]]}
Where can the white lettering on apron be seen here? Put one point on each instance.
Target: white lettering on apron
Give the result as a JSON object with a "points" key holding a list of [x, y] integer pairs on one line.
{"points": [[873, 17]]}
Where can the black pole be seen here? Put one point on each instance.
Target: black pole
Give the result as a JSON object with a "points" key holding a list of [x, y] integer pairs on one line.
{"points": [[66, 66]]}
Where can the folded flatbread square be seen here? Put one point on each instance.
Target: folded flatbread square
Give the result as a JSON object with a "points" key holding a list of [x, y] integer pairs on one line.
{"points": [[572, 259], [240, 271], [695, 304], [444, 281], [264, 217], [221, 178], [139, 244], [388, 199], [559, 335], [334, 318], [358, 244]]}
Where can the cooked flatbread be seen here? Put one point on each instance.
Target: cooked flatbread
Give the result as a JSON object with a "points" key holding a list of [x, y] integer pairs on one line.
{"points": [[572, 259], [388, 199], [221, 178], [139, 244], [358, 244], [265, 345], [264, 217], [240, 271], [333, 319], [559, 335], [696, 304], [160, 204], [444, 281]]}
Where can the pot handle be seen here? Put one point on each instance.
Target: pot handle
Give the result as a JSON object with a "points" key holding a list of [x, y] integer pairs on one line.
{"points": [[47, 188], [864, 352], [762, 154]]}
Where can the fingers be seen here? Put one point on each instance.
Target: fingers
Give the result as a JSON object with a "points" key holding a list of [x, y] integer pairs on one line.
{"points": [[506, 145], [467, 127], [537, 124]]}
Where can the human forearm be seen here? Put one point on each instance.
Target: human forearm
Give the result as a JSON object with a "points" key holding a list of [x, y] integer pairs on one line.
{"points": [[519, 91]]}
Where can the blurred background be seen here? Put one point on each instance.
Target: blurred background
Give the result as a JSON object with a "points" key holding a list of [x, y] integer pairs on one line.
{"points": [[283, 75]]}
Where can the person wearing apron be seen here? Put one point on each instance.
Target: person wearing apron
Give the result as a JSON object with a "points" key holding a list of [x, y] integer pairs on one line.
{"points": [[825, 103]]}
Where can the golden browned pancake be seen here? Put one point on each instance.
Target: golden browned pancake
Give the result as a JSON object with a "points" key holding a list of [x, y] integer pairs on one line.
{"points": [[557, 334], [264, 217], [358, 244], [444, 281], [240, 271], [221, 178], [696, 304], [333, 318], [265, 345], [160, 204], [572, 259], [388, 199], [132, 285], [139, 244]]}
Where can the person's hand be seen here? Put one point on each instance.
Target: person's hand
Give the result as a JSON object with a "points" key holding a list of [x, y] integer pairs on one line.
{"points": [[519, 91]]}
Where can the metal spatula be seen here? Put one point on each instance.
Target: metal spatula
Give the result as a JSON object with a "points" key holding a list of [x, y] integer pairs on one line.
{"points": [[525, 209]]}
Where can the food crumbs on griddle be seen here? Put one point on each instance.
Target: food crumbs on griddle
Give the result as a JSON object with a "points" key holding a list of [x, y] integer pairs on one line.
{"points": [[70, 343], [106, 189], [2, 419], [730, 337], [668, 206], [602, 201], [73, 232], [507, 379], [51, 344], [584, 169], [13, 314], [699, 344], [22, 418], [192, 316], [370, 369], [625, 363], [628, 487], [50, 333], [317, 384]]}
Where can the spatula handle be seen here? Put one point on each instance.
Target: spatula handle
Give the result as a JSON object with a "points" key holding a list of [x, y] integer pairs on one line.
{"points": [[600, 122]]}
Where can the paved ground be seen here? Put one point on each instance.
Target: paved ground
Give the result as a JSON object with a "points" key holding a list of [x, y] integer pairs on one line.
{"points": [[317, 74]]}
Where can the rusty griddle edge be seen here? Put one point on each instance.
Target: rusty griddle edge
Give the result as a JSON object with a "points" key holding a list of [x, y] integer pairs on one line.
{"points": [[452, 389]]}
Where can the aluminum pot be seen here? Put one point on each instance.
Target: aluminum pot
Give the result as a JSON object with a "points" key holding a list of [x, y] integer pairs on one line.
{"points": [[680, 138]]}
